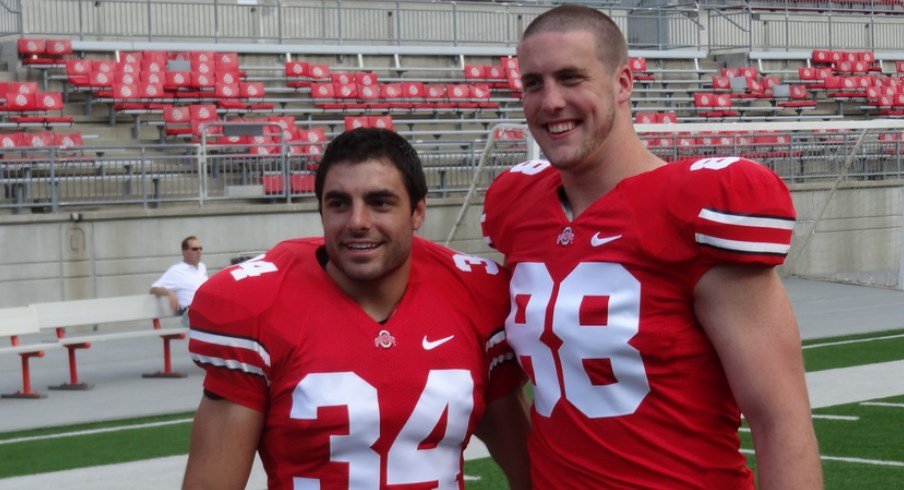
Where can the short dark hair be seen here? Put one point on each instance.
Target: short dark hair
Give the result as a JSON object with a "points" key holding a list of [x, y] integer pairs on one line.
{"points": [[363, 144], [611, 47], [188, 239]]}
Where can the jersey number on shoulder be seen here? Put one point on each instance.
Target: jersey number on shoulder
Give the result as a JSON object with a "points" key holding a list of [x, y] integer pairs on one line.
{"points": [[530, 167], [714, 163], [595, 313], [447, 391], [465, 262], [252, 268]]}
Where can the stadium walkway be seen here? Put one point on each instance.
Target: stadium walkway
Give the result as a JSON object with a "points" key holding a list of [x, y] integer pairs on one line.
{"points": [[822, 309]]}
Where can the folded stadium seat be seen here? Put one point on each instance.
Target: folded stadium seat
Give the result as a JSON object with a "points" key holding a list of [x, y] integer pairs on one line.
{"points": [[800, 98], [666, 117], [392, 96], [130, 57], [126, 78], [899, 66], [125, 96], [131, 68], [514, 82], [23, 87], [205, 69], [263, 145], [770, 82], [254, 93], [355, 122], [748, 72], [301, 182], [297, 74], [755, 90], [201, 57], [179, 82], [324, 95], [227, 95], [687, 140], [721, 83], [153, 94], [436, 96], [415, 93], [346, 95], [71, 140], [645, 118], [99, 80], [19, 102], [52, 101], [10, 140], [366, 78], [176, 120], [496, 76], [509, 62], [58, 48], [730, 72], [226, 62], [201, 113], [31, 51], [822, 56], [152, 65], [480, 94], [152, 77], [273, 183], [286, 127], [342, 78], [226, 76], [43, 139], [203, 82], [314, 136], [638, 68], [475, 73], [509, 135], [78, 72], [369, 96], [384, 122]]}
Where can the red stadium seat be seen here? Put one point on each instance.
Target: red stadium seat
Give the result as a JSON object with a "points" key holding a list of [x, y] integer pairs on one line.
{"points": [[384, 122], [31, 47], [78, 72], [58, 47], [73, 140], [227, 62], [342, 78], [20, 102], [366, 78], [355, 122], [130, 57]]}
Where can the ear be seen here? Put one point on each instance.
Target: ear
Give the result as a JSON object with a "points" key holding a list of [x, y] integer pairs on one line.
{"points": [[625, 83], [419, 213]]}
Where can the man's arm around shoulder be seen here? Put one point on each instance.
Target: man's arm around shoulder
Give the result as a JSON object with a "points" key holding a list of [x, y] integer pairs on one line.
{"points": [[224, 438], [747, 316]]}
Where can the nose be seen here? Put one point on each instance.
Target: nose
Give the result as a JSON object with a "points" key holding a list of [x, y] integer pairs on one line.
{"points": [[359, 218], [552, 99]]}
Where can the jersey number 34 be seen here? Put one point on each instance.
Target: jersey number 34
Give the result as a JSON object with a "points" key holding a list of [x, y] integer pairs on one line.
{"points": [[601, 338]]}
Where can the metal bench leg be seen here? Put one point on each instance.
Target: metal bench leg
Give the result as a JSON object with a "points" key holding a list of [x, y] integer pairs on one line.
{"points": [[167, 360], [73, 383], [26, 379]]}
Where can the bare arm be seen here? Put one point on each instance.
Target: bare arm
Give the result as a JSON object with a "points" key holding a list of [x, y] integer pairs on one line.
{"points": [[747, 316], [173, 301], [224, 438], [504, 429]]}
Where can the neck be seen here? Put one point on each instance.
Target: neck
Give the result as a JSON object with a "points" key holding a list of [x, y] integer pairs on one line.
{"points": [[624, 157], [379, 297]]}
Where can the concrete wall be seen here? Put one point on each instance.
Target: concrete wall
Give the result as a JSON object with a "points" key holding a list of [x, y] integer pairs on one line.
{"points": [[110, 253], [858, 237]]}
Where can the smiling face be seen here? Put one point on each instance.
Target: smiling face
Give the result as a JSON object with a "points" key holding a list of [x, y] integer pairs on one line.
{"points": [[368, 224], [570, 97]]}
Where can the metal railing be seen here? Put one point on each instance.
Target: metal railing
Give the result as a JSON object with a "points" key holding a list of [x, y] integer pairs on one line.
{"points": [[152, 175], [340, 22]]}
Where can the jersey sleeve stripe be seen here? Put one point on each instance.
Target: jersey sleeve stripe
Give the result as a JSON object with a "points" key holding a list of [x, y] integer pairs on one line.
{"points": [[497, 337], [232, 364], [230, 341], [743, 246], [747, 220]]}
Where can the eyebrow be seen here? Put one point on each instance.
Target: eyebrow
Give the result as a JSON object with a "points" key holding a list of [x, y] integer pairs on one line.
{"points": [[376, 194]]}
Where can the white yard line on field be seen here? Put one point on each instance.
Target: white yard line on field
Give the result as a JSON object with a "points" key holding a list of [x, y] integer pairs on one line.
{"points": [[883, 404], [93, 431], [852, 341]]}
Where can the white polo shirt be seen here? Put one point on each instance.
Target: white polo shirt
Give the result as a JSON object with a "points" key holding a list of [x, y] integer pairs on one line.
{"points": [[184, 280]]}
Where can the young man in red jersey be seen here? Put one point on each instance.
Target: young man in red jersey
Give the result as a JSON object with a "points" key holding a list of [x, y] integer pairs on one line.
{"points": [[363, 359], [645, 307]]}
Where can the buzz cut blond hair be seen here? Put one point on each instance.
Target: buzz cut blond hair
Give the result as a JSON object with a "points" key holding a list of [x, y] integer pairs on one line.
{"points": [[611, 47]]}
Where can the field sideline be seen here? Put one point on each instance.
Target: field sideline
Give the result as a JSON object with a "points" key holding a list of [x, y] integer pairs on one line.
{"points": [[856, 384]]}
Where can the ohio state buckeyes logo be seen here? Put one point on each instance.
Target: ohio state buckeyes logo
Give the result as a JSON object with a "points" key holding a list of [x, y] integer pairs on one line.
{"points": [[566, 237], [384, 339]]}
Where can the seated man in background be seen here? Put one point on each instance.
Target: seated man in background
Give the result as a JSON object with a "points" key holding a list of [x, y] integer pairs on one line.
{"points": [[362, 359], [181, 280]]}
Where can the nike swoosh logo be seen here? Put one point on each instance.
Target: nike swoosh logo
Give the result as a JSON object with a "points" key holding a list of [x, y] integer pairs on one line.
{"points": [[596, 240], [428, 345]]}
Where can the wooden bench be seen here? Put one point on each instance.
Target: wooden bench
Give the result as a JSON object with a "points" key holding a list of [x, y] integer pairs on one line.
{"points": [[60, 315]]}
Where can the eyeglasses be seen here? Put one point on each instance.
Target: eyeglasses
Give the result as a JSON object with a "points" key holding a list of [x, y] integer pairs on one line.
{"points": [[196, 249]]}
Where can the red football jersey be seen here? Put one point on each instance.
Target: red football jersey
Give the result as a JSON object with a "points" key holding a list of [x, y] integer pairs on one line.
{"points": [[628, 390], [350, 402]]}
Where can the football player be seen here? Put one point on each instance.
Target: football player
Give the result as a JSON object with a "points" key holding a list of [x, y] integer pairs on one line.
{"points": [[363, 359], [645, 306]]}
